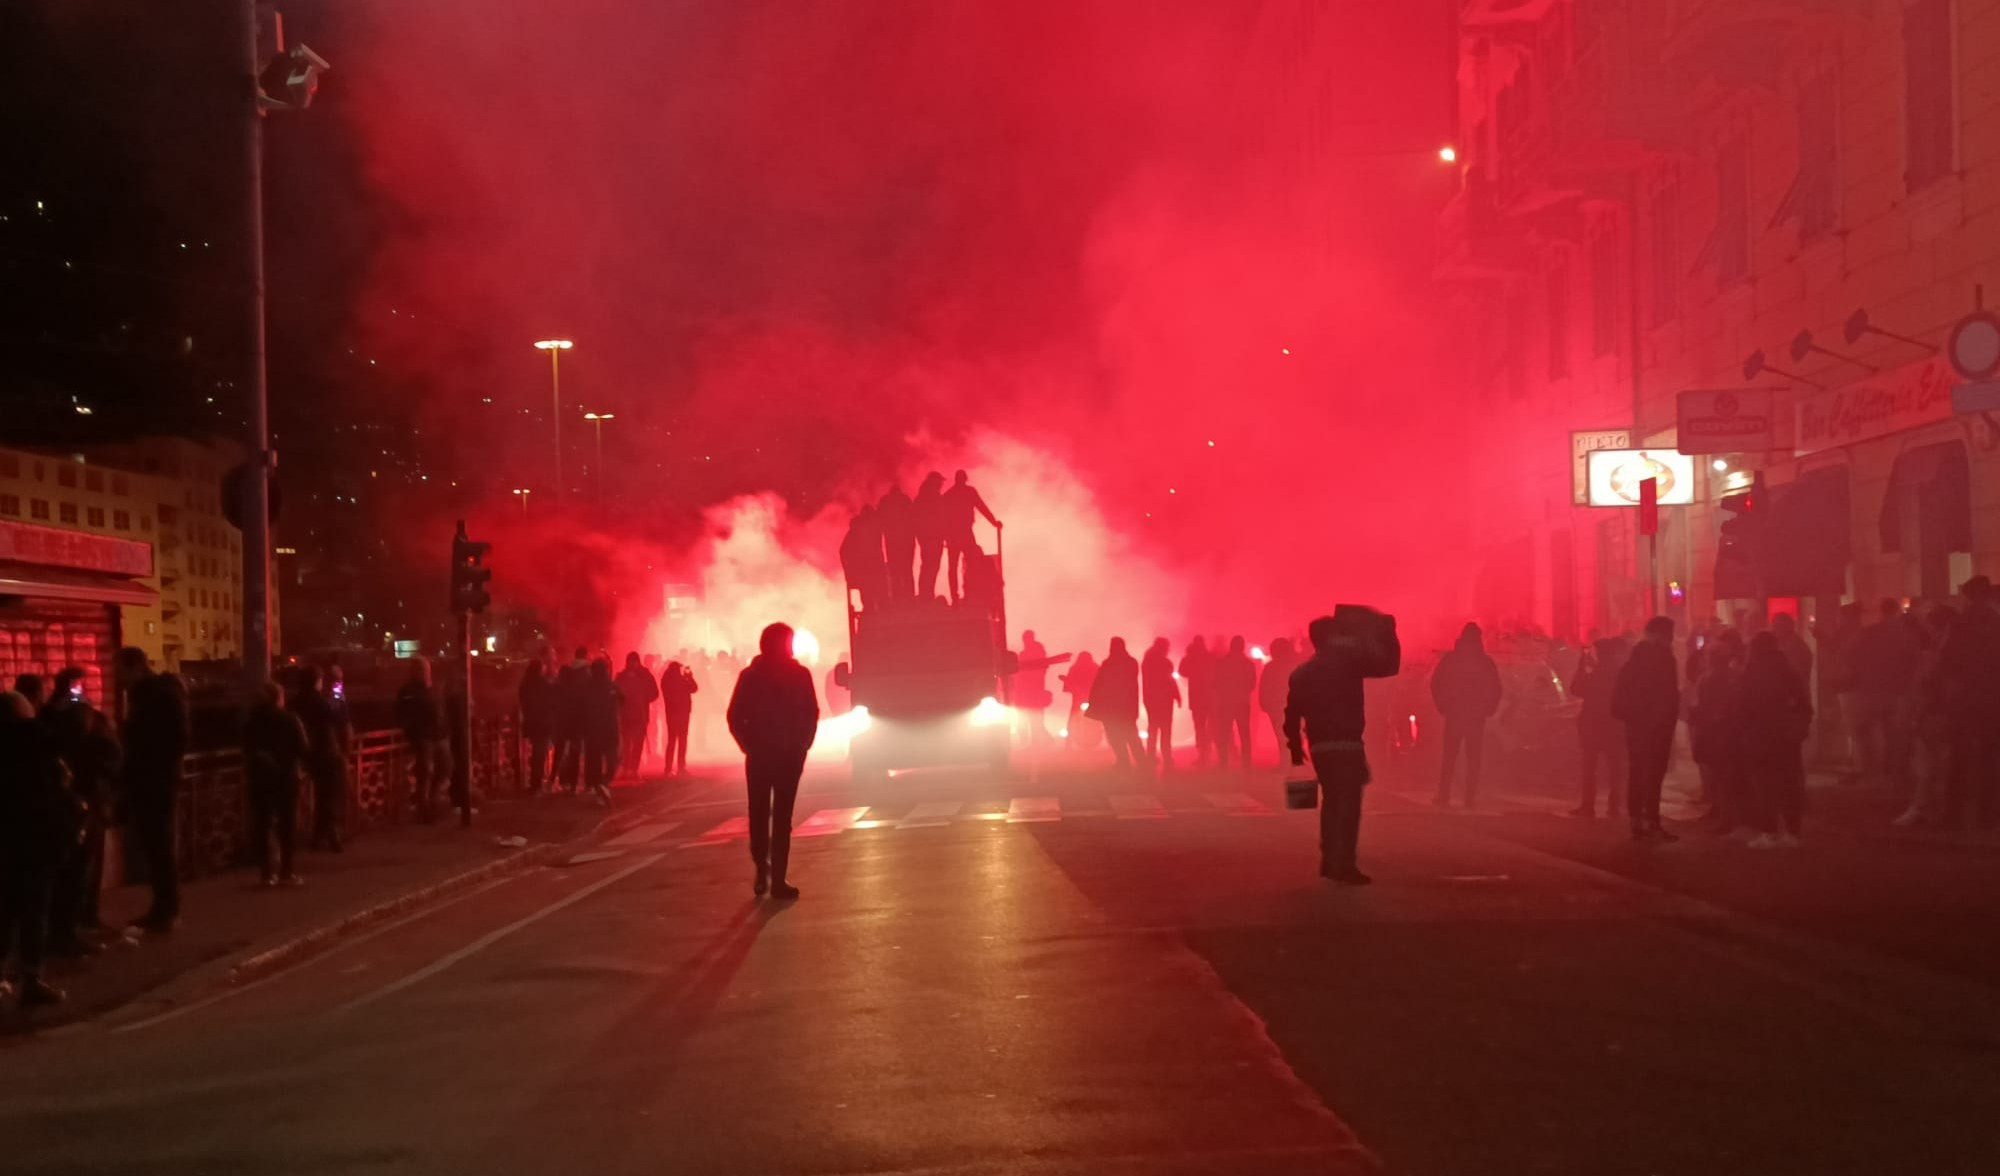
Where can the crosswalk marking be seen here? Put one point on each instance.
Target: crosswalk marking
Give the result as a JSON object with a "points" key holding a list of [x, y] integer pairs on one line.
{"points": [[1137, 808], [644, 833], [1239, 804], [728, 830], [1034, 808], [930, 814], [827, 821]]}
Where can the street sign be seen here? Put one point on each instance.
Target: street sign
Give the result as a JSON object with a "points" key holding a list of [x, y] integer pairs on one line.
{"points": [[1974, 348], [1617, 474], [1581, 446], [1976, 397], [1649, 506], [1727, 420]]}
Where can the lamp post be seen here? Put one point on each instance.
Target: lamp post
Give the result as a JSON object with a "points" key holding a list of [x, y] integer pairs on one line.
{"points": [[522, 494], [598, 419], [555, 348]]}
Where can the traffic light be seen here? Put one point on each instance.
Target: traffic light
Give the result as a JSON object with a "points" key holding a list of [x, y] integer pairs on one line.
{"points": [[468, 578], [1739, 551]]}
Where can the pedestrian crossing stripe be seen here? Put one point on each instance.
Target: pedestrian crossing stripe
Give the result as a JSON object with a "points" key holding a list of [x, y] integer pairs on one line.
{"points": [[1034, 808], [645, 833], [1137, 808]]}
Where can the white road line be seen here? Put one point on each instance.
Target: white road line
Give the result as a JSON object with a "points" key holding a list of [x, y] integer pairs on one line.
{"points": [[644, 833], [1034, 808], [1138, 808], [930, 814], [728, 830], [492, 937], [1239, 804], [828, 821]]}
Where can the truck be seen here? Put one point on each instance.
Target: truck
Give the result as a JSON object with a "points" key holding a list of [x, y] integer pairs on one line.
{"points": [[932, 678]]}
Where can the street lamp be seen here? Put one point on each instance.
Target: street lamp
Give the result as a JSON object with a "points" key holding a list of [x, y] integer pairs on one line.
{"points": [[598, 419], [555, 348], [523, 496]]}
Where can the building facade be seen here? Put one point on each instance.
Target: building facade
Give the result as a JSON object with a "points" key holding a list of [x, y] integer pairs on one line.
{"points": [[117, 544], [1788, 201]]}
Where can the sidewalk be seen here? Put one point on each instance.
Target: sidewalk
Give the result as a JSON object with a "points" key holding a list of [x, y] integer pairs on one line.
{"points": [[231, 926]]}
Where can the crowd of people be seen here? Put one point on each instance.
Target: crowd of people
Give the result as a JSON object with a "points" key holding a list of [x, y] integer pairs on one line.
{"points": [[894, 548], [585, 727]]}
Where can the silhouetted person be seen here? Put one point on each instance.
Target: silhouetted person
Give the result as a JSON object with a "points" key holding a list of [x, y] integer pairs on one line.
{"points": [[1716, 735], [1198, 674], [420, 713], [1326, 717], [962, 504], [1465, 688], [1777, 716], [1114, 702], [538, 701], [328, 737], [1078, 683], [1969, 677], [677, 690], [602, 707], [1235, 684], [774, 718], [39, 822], [572, 718], [933, 520], [1601, 737], [636, 692], [862, 561], [1647, 700], [1161, 692], [1031, 689], [274, 751], [1886, 657], [86, 743], [34, 688], [155, 736], [897, 516], [1273, 683]]}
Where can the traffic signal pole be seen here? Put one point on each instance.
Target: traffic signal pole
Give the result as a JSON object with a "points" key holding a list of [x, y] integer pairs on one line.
{"points": [[468, 596], [464, 767], [256, 504]]}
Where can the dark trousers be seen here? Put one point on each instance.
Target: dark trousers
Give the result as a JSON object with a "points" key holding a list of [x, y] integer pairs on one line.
{"points": [[79, 881], [568, 765], [1203, 717], [1779, 784], [1230, 726], [1160, 732], [600, 764], [677, 744], [430, 769], [1125, 744], [540, 770], [902, 566], [329, 783], [1604, 755], [632, 742], [1469, 737], [1649, 752], [274, 815], [773, 780], [1975, 774], [956, 549], [154, 818], [1339, 815], [931, 552], [24, 914]]}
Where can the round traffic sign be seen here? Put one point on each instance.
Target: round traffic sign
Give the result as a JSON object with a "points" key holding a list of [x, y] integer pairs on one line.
{"points": [[1974, 349]]}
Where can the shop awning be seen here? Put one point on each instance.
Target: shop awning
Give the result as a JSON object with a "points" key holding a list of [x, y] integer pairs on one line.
{"points": [[22, 579]]}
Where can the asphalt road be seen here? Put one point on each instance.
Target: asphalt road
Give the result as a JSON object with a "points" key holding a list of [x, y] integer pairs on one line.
{"points": [[1083, 973]]}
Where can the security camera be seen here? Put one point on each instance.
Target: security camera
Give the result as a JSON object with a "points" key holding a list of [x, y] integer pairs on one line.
{"points": [[292, 78]]}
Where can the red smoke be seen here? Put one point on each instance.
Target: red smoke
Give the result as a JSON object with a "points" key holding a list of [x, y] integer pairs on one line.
{"points": [[806, 247]]}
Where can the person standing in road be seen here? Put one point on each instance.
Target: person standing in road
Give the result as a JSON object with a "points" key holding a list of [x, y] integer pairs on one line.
{"points": [[155, 737], [636, 692], [537, 699], [961, 504], [774, 718], [1326, 717], [1647, 700], [1162, 693], [896, 515], [84, 740], [1886, 656], [1716, 735], [1031, 690], [274, 750], [677, 690], [933, 524], [1601, 737], [1969, 677], [420, 712], [39, 824], [1930, 724], [1078, 683], [1114, 702], [602, 731], [1198, 672], [1273, 683], [1777, 716], [1235, 682], [328, 738], [1465, 688]]}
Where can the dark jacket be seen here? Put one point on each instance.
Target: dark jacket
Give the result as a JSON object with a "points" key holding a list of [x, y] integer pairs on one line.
{"points": [[1715, 721], [155, 735], [604, 709], [1114, 695], [88, 747], [638, 690], [1235, 682], [327, 731], [39, 815], [677, 691], [1777, 712], [931, 515], [1326, 709], [420, 712], [1885, 658], [1647, 696], [1466, 684], [897, 516], [1275, 683], [1198, 671], [1157, 677], [274, 747], [537, 697], [1969, 667], [774, 709]]}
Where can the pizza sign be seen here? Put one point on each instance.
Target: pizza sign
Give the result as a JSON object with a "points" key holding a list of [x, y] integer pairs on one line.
{"points": [[1616, 475]]}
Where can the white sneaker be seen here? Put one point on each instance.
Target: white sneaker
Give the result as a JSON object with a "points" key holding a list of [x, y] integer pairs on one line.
{"points": [[1763, 841]]}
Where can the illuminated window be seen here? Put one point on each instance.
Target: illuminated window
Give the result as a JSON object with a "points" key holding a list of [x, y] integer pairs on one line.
{"points": [[66, 512]]}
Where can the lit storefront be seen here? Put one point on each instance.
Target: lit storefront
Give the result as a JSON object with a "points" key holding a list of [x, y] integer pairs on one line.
{"points": [[60, 596]]}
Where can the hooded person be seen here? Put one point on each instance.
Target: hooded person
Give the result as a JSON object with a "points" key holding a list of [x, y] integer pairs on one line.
{"points": [[1465, 688], [1114, 702], [1326, 718], [1599, 736], [603, 729], [1647, 700], [1198, 673], [677, 690], [636, 692], [774, 718], [1777, 715], [1272, 683], [1160, 690], [1235, 683]]}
